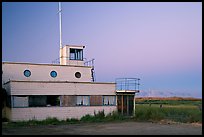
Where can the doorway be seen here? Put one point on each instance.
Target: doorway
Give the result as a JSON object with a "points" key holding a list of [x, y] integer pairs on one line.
{"points": [[125, 104]]}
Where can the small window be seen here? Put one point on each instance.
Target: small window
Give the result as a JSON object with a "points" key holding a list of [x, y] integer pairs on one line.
{"points": [[20, 101], [96, 100], [76, 54], [37, 101], [109, 100], [27, 73], [53, 100], [83, 100], [78, 75], [53, 74]]}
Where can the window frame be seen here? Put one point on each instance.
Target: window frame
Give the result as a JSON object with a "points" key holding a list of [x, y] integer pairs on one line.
{"points": [[77, 96], [77, 75], [27, 73], [15, 97], [114, 101], [53, 75], [76, 54]]}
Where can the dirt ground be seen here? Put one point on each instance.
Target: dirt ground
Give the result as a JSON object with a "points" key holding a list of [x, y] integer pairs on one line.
{"points": [[114, 128]]}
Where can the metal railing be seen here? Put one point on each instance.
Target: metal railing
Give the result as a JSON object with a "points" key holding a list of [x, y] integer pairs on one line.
{"points": [[80, 63], [69, 61], [127, 84], [89, 63]]}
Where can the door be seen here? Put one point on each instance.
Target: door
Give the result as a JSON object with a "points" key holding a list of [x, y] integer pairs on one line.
{"points": [[125, 104]]}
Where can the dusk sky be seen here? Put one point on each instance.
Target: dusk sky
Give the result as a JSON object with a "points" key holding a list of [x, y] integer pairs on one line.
{"points": [[160, 43]]}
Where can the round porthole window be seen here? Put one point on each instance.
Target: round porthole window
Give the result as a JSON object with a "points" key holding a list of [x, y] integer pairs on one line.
{"points": [[27, 73], [77, 74], [53, 74]]}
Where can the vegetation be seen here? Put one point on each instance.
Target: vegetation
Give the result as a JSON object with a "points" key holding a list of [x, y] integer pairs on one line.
{"points": [[174, 109], [178, 114], [97, 117]]}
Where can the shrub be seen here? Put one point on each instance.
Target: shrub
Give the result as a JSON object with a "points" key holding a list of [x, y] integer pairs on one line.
{"points": [[99, 115], [5, 120], [87, 118], [114, 116], [52, 121]]}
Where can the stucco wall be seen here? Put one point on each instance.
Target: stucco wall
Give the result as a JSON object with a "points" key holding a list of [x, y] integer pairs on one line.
{"points": [[41, 72], [61, 88], [62, 113]]}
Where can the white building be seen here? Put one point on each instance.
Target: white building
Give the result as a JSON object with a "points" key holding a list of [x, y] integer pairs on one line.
{"points": [[38, 91]]}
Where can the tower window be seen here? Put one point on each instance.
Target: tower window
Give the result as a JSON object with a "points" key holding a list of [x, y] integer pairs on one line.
{"points": [[53, 74], [76, 54], [27, 73]]}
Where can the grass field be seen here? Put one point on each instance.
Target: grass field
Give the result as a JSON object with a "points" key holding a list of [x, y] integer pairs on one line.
{"points": [[179, 110]]}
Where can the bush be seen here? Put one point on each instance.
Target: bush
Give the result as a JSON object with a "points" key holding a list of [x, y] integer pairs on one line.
{"points": [[87, 118], [5, 120], [99, 115], [114, 116], [52, 121]]}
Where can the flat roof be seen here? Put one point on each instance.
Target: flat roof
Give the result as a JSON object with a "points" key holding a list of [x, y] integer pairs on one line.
{"points": [[77, 46], [28, 63], [59, 82]]}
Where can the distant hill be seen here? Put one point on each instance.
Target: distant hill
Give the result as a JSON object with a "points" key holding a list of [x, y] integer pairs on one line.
{"points": [[158, 93], [168, 98]]}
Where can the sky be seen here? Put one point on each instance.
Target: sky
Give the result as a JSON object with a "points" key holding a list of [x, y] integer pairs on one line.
{"points": [[158, 42]]}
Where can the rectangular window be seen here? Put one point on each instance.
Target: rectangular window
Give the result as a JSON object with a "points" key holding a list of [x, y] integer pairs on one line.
{"points": [[68, 100], [53, 100], [109, 100], [37, 101], [96, 100], [76, 54], [43, 100], [83, 100], [20, 101]]}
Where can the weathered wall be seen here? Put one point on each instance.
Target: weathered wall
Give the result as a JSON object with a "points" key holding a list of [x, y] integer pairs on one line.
{"points": [[62, 113], [61, 88], [41, 72]]}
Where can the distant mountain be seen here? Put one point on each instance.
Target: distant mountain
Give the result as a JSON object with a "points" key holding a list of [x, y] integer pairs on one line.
{"points": [[157, 93]]}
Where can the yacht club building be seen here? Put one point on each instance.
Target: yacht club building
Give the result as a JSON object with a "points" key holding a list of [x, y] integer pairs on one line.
{"points": [[64, 90]]}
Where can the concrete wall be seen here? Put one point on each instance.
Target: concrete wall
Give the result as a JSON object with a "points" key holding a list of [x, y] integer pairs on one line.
{"points": [[41, 72], [62, 113], [61, 88]]}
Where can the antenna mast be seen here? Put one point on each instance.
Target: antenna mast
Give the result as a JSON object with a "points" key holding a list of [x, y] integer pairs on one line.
{"points": [[60, 24]]}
